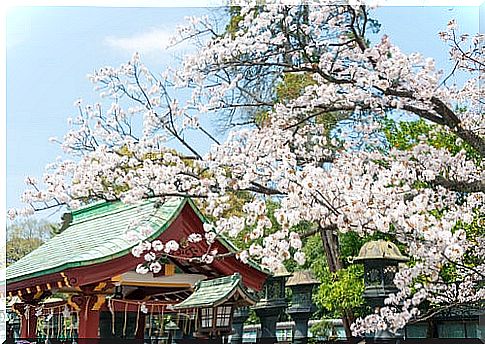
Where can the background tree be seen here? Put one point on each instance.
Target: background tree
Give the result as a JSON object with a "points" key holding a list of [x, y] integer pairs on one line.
{"points": [[25, 235]]}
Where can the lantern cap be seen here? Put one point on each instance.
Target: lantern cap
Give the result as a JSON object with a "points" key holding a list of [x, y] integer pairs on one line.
{"points": [[380, 249], [281, 272], [304, 277]]}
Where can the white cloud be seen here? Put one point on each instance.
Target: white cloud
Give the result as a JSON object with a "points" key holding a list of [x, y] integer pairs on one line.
{"points": [[155, 40]]}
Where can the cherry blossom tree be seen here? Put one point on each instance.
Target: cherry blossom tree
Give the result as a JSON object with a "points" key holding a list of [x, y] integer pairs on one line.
{"points": [[339, 178]]}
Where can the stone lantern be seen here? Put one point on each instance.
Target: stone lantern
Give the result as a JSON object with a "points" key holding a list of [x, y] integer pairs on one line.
{"points": [[380, 259], [174, 332], [272, 304], [239, 317], [302, 307]]}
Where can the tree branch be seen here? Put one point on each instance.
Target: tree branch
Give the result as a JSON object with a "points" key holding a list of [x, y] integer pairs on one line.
{"points": [[460, 186]]}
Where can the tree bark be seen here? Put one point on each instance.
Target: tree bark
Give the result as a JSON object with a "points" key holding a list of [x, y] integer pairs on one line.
{"points": [[331, 248]]}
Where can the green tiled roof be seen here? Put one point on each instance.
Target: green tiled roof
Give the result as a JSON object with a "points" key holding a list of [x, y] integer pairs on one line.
{"points": [[214, 292], [96, 234]]}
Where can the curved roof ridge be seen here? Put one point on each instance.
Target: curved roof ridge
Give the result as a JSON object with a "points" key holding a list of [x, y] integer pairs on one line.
{"points": [[214, 292], [94, 241]]}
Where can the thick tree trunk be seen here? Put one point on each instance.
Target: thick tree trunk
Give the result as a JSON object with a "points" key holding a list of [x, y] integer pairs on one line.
{"points": [[331, 249]]}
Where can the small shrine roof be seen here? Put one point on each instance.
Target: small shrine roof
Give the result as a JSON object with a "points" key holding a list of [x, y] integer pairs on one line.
{"points": [[214, 292]]}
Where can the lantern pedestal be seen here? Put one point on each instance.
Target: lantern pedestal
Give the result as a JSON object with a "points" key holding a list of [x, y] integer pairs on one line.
{"points": [[239, 317], [302, 307], [300, 335], [272, 304], [269, 313]]}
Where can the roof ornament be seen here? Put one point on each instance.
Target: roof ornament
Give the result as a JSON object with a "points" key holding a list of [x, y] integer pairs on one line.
{"points": [[66, 221]]}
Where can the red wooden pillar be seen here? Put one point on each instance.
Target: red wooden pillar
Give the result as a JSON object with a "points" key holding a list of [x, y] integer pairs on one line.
{"points": [[28, 325], [88, 316], [88, 325]]}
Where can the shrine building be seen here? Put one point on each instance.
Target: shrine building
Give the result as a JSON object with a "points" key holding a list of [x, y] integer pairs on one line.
{"points": [[82, 283]]}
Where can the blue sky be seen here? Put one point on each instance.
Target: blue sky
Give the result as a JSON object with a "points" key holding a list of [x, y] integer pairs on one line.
{"points": [[51, 49]]}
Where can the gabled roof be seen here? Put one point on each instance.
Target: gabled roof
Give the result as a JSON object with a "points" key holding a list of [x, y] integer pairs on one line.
{"points": [[212, 293], [94, 246], [96, 234]]}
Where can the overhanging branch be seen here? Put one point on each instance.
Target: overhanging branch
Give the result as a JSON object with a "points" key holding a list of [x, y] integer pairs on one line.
{"points": [[460, 186]]}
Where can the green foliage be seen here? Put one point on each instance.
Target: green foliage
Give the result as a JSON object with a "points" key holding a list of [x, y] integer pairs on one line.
{"points": [[331, 119], [19, 247], [405, 135], [350, 244], [292, 86], [253, 318], [235, 17], [323, 330], [476, 228], [341, 290], [261, 118]]}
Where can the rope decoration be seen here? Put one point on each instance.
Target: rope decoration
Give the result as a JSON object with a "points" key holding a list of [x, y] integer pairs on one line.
{"points": [[71, 328], [59, 321], [125, 320], [27, 316], [163, 321], [51, 321], [87, 308], [152, 309], [110, 306], [151, 320], [137, 319]]}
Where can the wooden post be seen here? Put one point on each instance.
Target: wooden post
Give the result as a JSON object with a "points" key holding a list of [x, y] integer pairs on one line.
{"points": [[88, 317], [28, 326]]}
